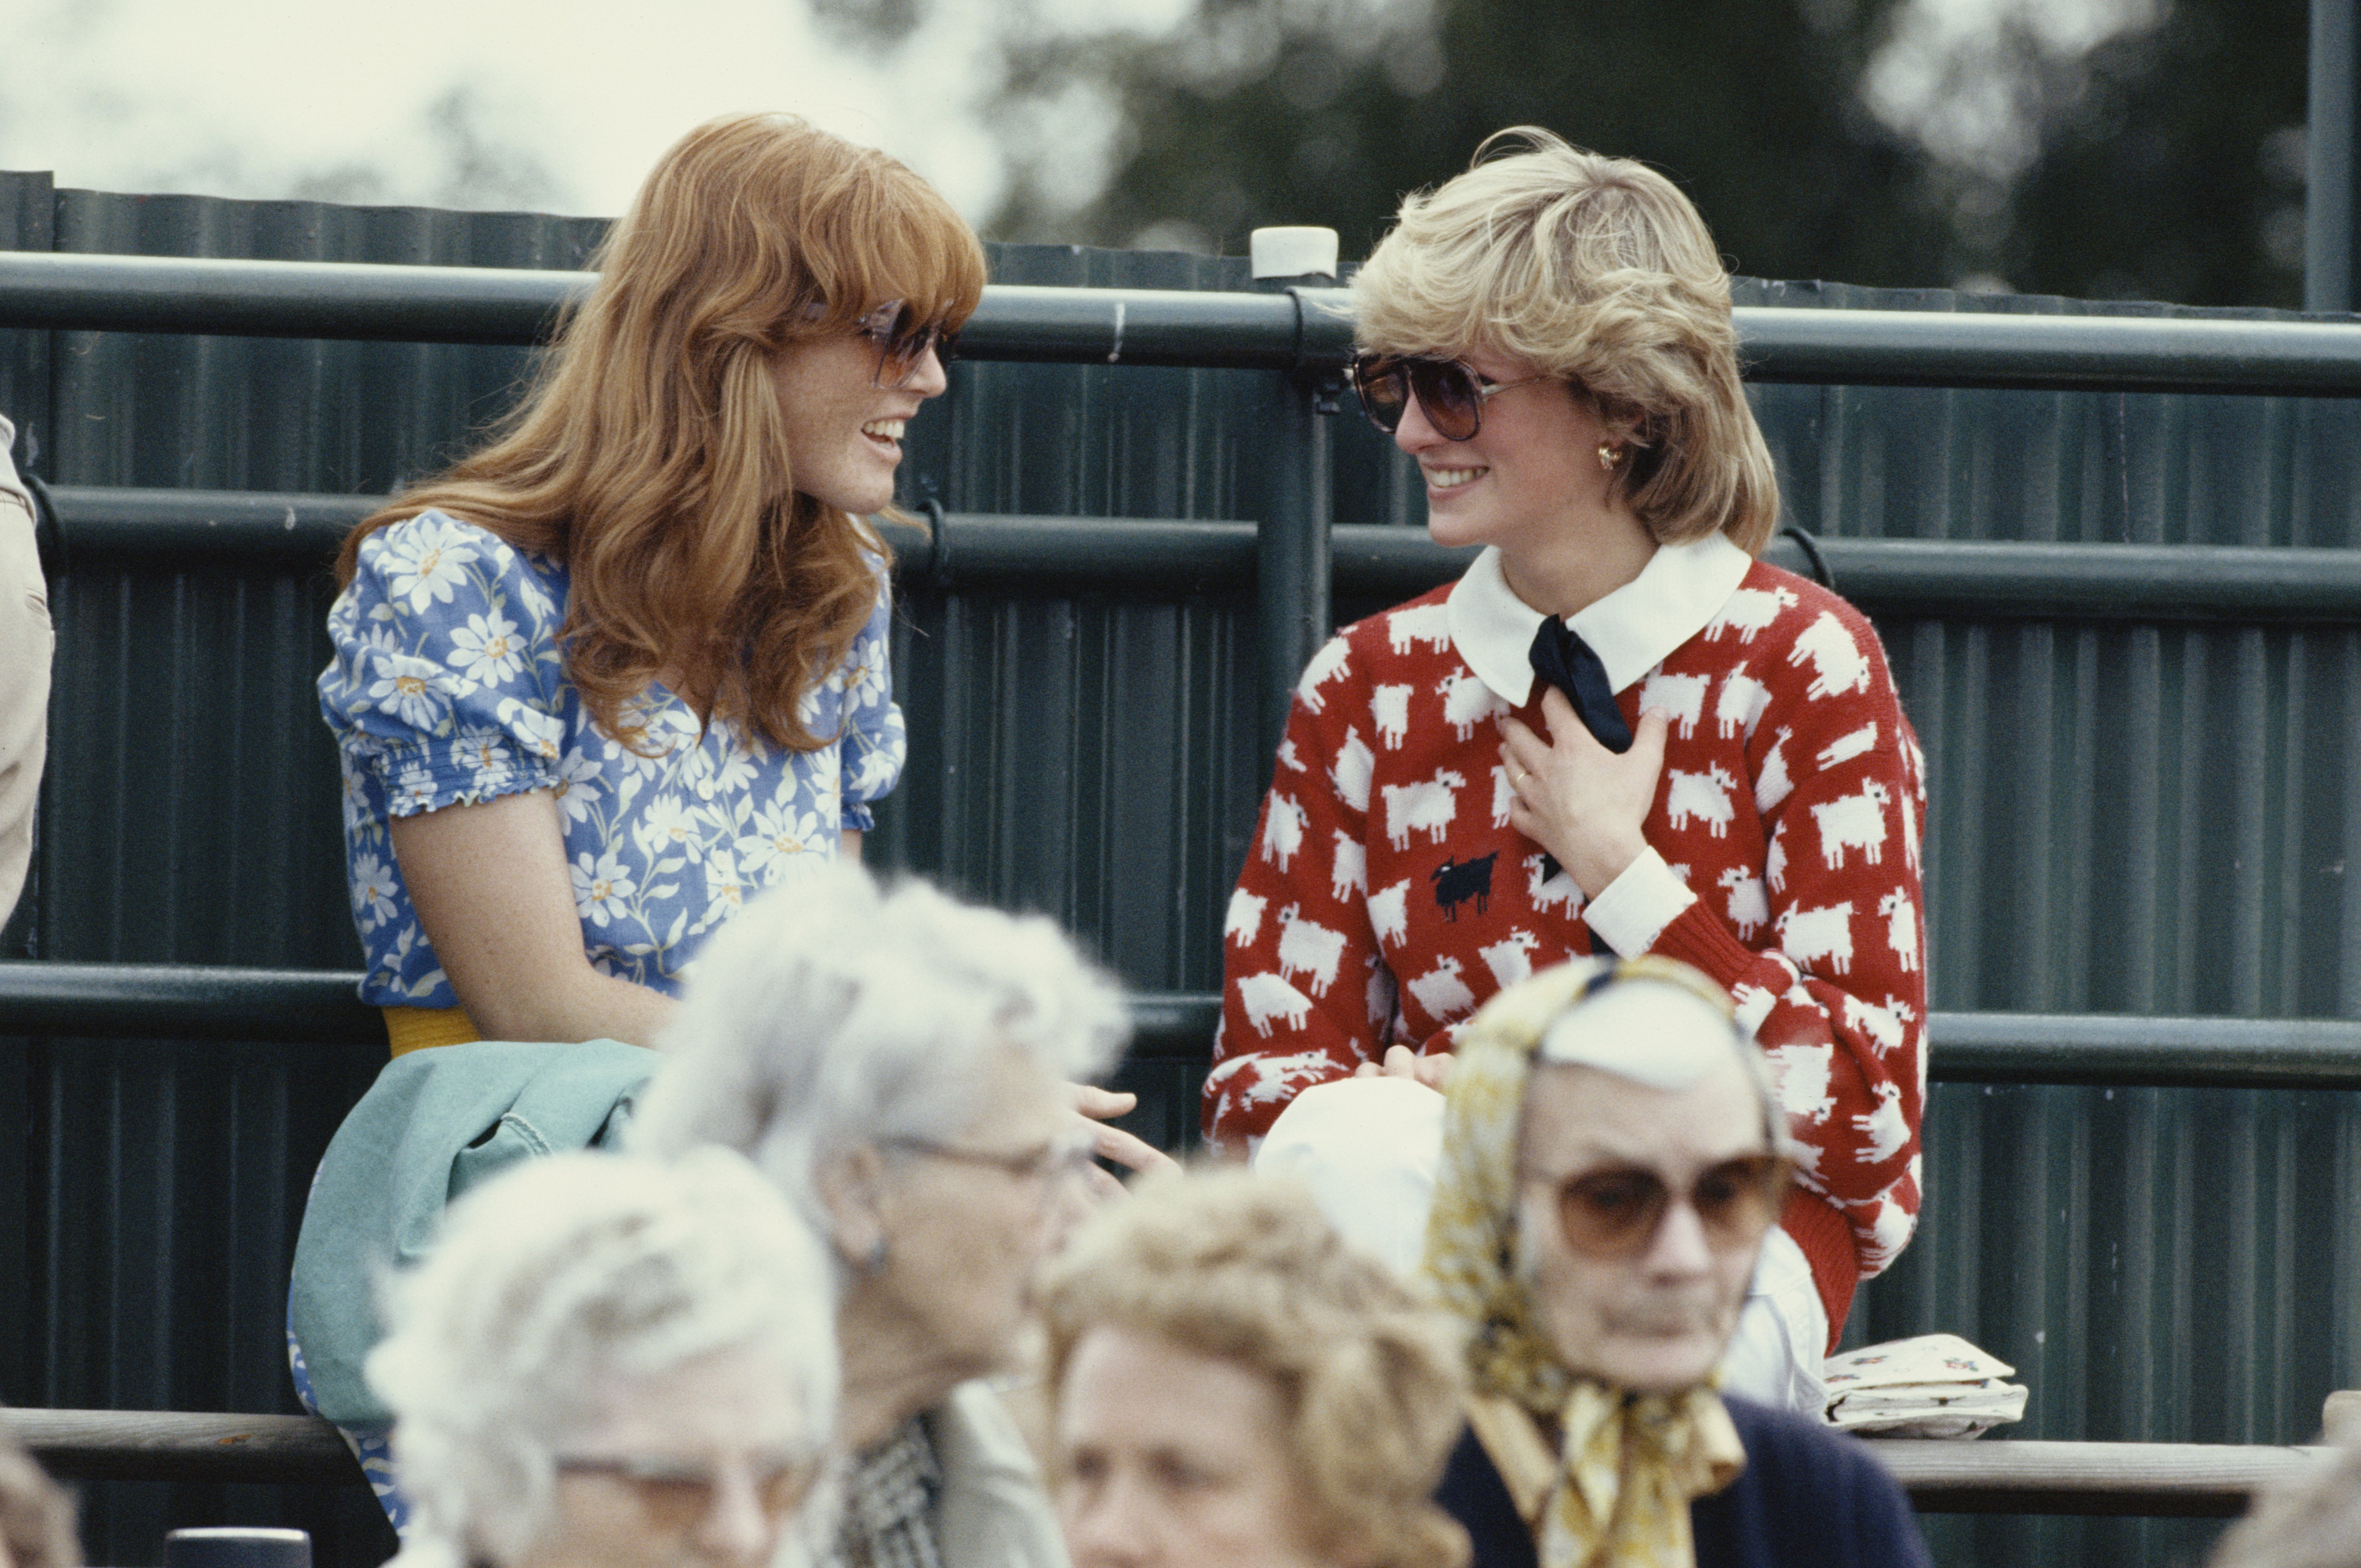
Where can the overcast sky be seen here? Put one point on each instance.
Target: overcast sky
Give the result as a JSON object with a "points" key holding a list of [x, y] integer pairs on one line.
{"points": [[562, 105]]}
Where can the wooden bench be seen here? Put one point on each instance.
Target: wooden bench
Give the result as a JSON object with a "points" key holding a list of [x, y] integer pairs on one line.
{"points": [[1983, 1476]]}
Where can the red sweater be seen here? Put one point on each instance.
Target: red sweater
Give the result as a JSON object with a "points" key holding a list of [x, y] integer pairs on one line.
{"points": [[1387, 898]]}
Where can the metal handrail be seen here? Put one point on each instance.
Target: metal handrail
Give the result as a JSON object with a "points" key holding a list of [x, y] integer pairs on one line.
{"points": [[181, 1001], [1982, 579], [1307, 329], [2013, 1477]]}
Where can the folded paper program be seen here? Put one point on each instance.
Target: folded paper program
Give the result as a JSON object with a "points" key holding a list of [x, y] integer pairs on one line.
{"points": [[1933, 1386]]}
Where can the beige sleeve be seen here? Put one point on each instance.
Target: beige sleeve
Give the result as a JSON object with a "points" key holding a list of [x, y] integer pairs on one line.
{"points": [[25, 644]]}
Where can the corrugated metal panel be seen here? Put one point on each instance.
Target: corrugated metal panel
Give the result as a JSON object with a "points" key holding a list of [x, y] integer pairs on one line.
{"points": [[2127, 819]]}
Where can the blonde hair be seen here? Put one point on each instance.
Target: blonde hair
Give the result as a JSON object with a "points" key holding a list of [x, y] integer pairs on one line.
{"points": [[1598, 271], [650, 454], [1243, 1267]]}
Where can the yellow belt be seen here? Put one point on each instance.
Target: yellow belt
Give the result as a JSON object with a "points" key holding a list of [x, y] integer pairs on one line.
{"points": [[415, 1028]]}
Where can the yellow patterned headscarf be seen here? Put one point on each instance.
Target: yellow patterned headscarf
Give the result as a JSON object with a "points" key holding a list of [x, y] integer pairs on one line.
{"points": [[1618, 1490]]}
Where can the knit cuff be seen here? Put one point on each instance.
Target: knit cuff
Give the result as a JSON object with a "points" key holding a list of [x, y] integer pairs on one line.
{"points": [[1826, 1244], [1701, 939], [1634, 910]]}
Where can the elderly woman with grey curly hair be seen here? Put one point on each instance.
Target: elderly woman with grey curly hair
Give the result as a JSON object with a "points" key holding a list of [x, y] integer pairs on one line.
{"points": [[1234, 1384], [898, 1063], [612, 1363]]}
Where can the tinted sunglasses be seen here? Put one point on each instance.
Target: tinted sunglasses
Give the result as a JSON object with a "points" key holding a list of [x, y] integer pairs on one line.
{"points": [[902, 340], [1451, 394], [677, 1494], [1615, 1213]]}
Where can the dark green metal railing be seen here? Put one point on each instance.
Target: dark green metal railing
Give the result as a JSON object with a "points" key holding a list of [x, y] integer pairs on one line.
{"points": [[1305, 329], [66, 1000]]}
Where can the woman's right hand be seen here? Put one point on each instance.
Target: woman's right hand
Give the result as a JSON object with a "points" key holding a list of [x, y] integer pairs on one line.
{"points": [[1434, 1071]]}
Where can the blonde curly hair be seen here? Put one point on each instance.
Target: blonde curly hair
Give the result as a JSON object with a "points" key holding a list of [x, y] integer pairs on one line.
{"points": [[1240, 1266], [1598, 271]]}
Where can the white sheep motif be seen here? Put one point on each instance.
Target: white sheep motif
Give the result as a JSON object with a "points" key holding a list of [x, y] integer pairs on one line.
{"points": [[1802, 1073], [1349, 872], [1845, 748], [1854, 822], [1282, 831], [1879, 1025], [1441, 991], [1702, 797], [1775, 860], [1268, 997], [1306, 947], [1389, 711], [1355, 764], [1557, 887], [1430, 806], [1740, 706], [1504, 796], [1680, 698], [1467, 702], [1389, 912], [1748, 612], [1244, 923], [1838, 663], [1509, 959], [1427, 623], [1772, 785], [1326, 665], [1901, 927], [1811, 936], [1749, 906]]}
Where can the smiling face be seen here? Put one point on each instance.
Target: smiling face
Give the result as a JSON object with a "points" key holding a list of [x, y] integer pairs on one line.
{"points": [[1656, 1321], [1528, 476], [1172, 1459], [844, 433]]}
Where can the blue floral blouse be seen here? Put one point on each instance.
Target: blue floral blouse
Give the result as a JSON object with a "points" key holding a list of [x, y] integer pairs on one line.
{"points": [[448, 689]]}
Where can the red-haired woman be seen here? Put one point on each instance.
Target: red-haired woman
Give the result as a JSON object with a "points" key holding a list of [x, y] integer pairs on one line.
{"points": [[628, 664]]}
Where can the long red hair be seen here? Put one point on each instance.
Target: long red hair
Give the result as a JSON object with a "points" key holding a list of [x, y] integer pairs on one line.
{"points": [[650, 454]]}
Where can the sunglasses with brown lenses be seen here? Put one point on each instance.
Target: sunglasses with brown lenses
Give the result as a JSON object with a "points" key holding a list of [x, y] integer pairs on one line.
{"points": [[1450, 392], [1616, 1212], [902, 340], [676, 1493]]}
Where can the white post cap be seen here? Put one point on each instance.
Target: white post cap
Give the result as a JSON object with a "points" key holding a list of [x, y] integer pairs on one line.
{"points": [[1293, 252]]}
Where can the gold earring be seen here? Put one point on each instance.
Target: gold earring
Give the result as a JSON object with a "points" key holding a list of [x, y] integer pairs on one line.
{"points": [[1608, 455]]}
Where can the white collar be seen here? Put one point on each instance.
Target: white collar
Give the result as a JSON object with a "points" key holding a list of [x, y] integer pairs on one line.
{"points": [[1630, 630]]}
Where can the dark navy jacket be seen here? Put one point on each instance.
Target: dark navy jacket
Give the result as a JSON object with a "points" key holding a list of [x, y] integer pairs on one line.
{"points": [[1809, 1497]]}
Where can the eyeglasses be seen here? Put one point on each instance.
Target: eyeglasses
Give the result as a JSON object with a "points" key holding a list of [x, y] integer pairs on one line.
{"points": [[1451, 393], [679, 1493], [1050, 1162], [902, 341], [1615, 1214]]}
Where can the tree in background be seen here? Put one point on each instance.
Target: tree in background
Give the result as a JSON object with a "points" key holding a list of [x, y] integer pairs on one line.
{"points": [[1326, 111], [2146, 149]]}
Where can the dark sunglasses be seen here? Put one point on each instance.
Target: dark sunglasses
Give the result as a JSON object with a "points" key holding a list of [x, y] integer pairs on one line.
{"points": [[902, 340], [1615, 1214], [1451, 394], [677, 1494]]}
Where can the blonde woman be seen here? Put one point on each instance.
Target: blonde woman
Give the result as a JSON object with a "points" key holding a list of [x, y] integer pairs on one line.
{"points": [[628, 664], [1618, 732], [1233, 1386]]}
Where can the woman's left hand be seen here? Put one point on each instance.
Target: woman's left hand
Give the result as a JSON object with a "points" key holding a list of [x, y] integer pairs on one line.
{"points": [[1092, 1107], [1578, 800]]}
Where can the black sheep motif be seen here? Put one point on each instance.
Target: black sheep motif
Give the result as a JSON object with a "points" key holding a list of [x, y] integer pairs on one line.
{"points": [[1457, 881]]}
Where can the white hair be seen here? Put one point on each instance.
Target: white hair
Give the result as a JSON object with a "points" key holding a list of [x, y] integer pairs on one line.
{"points": [[833, 1013], [556, 1280]]}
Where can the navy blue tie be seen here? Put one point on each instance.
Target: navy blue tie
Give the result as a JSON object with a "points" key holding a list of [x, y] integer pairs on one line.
{"points": [[1562, 658]]}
